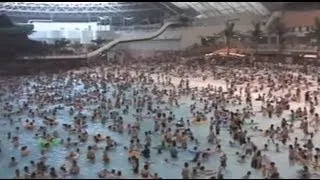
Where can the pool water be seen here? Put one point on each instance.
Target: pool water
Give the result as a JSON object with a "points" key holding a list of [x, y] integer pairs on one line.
{"points": [[119, 156]]}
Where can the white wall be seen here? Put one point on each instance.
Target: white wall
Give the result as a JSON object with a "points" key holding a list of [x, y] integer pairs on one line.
{"points": [[72, 31], [50, 26], [87, 37], [83, 37]]}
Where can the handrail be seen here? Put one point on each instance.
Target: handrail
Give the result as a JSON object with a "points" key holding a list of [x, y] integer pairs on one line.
{"points": [[129, 39]]}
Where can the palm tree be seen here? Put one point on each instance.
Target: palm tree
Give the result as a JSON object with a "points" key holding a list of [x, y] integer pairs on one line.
{"points": [[315, 33], [280, 29], [228, 33], [256, 35]]}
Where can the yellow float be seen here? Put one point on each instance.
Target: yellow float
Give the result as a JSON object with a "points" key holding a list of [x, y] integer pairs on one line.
{"points": [[199, 122]]}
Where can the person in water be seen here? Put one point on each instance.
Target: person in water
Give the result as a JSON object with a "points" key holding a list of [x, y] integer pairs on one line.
{"points": [[108, 95]]}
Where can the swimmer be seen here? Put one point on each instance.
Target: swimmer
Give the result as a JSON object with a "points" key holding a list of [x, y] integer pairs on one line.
{"points": [[24, 151], [13, 162], [74, 169], [74, 155], [91, 155], [104, 173], [105, 156]]}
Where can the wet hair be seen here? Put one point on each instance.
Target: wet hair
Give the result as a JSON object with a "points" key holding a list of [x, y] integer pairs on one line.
{"points": [[33, 175], [119, 173], [186, 164]]}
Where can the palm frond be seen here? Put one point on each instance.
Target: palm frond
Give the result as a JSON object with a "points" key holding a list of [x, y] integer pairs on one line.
{"points": [[256, 33], [229, 29], [315, 33]]}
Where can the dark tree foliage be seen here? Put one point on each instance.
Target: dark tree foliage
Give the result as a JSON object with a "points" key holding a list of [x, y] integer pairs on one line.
{"points": [[14, 41], [228, 33], [256, 34], [279, 28]]}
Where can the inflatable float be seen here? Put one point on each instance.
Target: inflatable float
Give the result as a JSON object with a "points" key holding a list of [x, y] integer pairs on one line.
{"points": [[54, 142], [199, 122]]}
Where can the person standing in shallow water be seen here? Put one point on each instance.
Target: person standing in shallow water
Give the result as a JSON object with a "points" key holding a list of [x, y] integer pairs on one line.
{"points": [[273, 171], [135, 164], [74, 169], [292, 155], [256, 161], [185, 173], [146, 152]]}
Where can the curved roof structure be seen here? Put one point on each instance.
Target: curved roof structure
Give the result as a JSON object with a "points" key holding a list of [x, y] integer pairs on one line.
{"points": [[70, 7], [91, 11], [80, 11], [212, 9]]}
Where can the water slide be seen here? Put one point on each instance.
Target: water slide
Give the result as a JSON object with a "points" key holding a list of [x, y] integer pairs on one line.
{"points": [[147, 36]]}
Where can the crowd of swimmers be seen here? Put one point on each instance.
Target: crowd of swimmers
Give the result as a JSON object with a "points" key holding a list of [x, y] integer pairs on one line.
{"points": [[152, 92]]}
